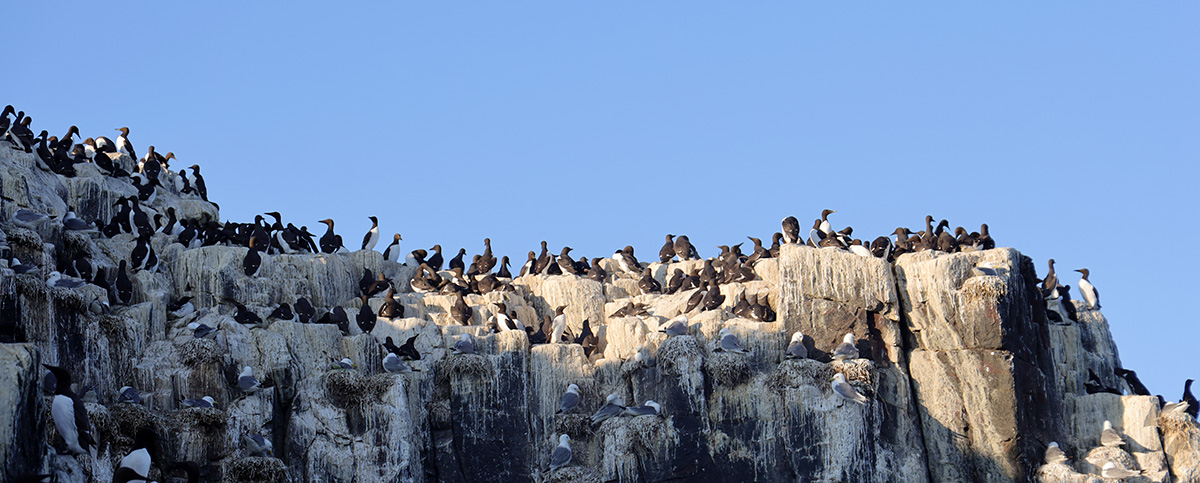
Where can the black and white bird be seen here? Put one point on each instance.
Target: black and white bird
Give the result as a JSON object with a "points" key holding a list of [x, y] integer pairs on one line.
{"points": [[330, 241], [70, 416], [846, 349], [123, 144], [246, 381], [845, 390], [372, 236], [1089, 292], [253, 260], [562, 453], [392, 252], [791, 230], [570, 399], [796, 348], [145, 446]]}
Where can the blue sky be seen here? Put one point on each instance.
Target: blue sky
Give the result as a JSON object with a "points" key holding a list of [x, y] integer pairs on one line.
{"points": [[1070, 129]]}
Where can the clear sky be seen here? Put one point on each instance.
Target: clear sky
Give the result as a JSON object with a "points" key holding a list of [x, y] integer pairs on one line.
{"points": [[1071, 129]]}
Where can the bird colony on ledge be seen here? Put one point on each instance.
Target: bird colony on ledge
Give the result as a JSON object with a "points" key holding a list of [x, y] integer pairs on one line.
{"points": [[477, 303]]}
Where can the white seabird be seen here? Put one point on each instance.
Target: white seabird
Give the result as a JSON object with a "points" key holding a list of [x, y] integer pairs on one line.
{"points": [[730, 342], [562, 453], [257, 445], [56, 279], [676, 327], [651, 408], [345, 363], [246, 381], [1054, 454], [570, 399], [1089, 292], [393, 364], [204, 402], [613, 406], [986, 269], [71, 223], [796, 348], [845, 390], [138, 460], [1110, 437], [1110, 470], [464, 345], [130, 395], [557, 328], [202, 331], [846, 349]]}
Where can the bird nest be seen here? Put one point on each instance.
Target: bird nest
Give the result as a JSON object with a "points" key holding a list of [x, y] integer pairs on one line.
{"points": [[468, 365], [24, 237], [858, 370], [74, 300], [198, 351], [201, 417], [675, 349], [1100, 455], [131, 417], [986, 288], [570, 474], [352, 387], [256, 469], [727, 369], [795, 373], [576, 425], [1179, 423]]}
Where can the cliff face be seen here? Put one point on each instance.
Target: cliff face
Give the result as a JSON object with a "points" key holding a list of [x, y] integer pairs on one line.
{"points": [[966, 378]]}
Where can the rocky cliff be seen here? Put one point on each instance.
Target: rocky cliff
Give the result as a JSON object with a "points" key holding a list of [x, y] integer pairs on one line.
{"points": [[966, 378]]}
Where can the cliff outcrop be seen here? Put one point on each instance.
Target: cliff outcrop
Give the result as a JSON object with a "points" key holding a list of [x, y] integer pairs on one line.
{"points": [[965, 376]]}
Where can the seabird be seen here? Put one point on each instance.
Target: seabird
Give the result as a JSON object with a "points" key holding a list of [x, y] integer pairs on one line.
{"points": [[202, 331], [613, 406], [252, 261], [1054, 454], [366, 317], [648, 284], [393, 364], [1110, 437], [457, 261], [123, 285], [460, 311], [667, 252], [130, 395], [712, 298], [392, 252], [570, 399], [435, 260], [1050, 282], [21, 268], [390, 308], [256, 445], [57, 280], [1131, 378], [566, 263], [729, 342], [464, 345], [1188, 398], [246, 381], [627, 261], [408, 350], [504, 272], [304, 310], [1111, 470], [345, 363], [986, 269], [684, 249], [138, 460], [846, 350], [791, 230], [245, 315], [70, 416], [283, 312], [825, 227], [29, 218], [562, 453], [675, 327], [1089, 292], [330, 241], [503, 321], [559, 325], [372, 236], [857, 248], [796, 348], [845, 390], [71, 223], [123, 144], [651, 408], [128, 475], [204, 402]]}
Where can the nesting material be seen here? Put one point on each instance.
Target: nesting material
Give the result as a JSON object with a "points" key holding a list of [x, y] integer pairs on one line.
{"points": [[858, 370], [103, 426], [727, 369], [985, 288], [1181, 440], [1061, 473], [571, 474], [1102, 454], [439, 414], [681, 347], [198, 351], [128, 418], [469, 365], [578, 426], [202, 416], [255, 469], [794, 373]]}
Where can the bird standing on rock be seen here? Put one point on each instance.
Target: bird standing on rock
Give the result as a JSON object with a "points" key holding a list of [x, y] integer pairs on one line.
{"points": [[372, 236], [330, 241]]}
